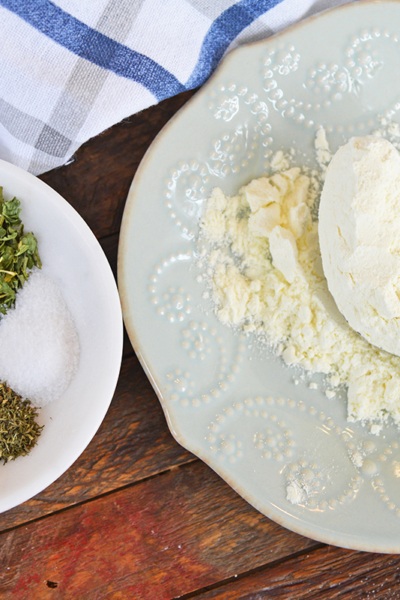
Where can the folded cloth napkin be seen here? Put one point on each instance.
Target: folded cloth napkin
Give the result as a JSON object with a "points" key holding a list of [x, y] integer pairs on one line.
{"points": [[69, 69]]}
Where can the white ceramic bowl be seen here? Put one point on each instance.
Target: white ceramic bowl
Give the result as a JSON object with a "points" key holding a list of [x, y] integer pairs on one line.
{"points": [[73, 258]]}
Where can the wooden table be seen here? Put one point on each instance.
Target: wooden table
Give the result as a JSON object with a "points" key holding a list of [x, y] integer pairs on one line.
{"points": [[137, 516]]}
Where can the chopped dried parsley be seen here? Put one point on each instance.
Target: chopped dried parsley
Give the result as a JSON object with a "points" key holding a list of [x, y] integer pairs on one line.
{"points": [[18, 252], [19, 430]]}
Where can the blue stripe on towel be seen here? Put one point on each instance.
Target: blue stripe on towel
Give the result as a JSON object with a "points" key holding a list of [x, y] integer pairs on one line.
{"points": [[86, 42], [222, 32]]}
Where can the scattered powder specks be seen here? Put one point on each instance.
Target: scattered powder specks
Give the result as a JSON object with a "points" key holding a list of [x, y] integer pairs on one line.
{"points": [[279, 161], [389, 130], [323, 152], [356, 458], [39, 344], [376, 428], [297, 492]]}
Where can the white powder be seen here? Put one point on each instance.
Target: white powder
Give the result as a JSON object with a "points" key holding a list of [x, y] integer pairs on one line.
{"points": [[323, 153], [359, 224], [376, 428], [296, 492], [39, 344], [281, 293], [356, 458], [279, 161], [389, 130]]}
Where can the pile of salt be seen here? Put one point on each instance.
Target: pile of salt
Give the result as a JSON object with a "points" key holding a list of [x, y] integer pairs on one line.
{"points": [[39, 344]]}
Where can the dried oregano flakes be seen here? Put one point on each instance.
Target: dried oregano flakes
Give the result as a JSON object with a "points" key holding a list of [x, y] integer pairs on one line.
{"points": [[18, 252], [19, 430]]}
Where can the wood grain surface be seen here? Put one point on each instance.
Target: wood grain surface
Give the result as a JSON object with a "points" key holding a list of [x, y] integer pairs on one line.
{"points": [[325, 574], [137, 516], [161, 538], [133, 443]]}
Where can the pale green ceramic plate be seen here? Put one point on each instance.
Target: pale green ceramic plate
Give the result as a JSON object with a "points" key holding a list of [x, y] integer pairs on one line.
{"points": [[238, 410]]}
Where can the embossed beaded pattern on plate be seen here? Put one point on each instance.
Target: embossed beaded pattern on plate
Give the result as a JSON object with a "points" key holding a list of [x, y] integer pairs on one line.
{"points": [[261, 425]]}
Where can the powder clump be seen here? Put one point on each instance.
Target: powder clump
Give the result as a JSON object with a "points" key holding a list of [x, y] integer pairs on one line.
{"points": [[264, 269], [39, 344]]}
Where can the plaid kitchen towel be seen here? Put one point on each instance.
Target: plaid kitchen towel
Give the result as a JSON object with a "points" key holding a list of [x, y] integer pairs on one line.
{"points": [[70, 69]]}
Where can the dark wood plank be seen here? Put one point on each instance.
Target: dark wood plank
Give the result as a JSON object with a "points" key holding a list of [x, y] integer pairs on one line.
{"points": [[96, 183], [132, 443], [327, 573], [156, 540], [110, 247]]}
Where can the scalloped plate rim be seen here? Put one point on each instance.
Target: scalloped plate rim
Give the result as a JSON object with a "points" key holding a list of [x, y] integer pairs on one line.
{"points": [[276, 514]]}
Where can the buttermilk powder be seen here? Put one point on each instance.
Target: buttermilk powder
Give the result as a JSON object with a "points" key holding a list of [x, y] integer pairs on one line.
{"points": [[267, 278]]}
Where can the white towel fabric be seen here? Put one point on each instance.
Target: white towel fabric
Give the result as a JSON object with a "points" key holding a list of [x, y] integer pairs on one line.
{"points": [[69, 69]]}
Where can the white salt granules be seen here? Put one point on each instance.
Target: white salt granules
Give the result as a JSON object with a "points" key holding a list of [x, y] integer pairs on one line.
{"points": [[39, 344]]}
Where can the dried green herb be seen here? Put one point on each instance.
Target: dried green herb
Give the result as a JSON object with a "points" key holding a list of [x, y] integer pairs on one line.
{"points": [[19, 430], [18, 252]]}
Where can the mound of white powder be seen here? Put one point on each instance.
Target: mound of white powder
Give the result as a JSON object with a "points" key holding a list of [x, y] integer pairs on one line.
{"points": [[39, 344], [261, 256]]}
